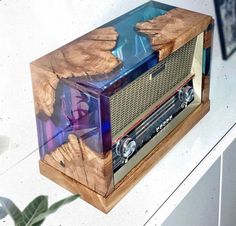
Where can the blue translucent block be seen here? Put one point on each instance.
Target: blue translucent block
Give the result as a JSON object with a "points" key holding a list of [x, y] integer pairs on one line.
{"points": [[82, 105], [132, 48]]}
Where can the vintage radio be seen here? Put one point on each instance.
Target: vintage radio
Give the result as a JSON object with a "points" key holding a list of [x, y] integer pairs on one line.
{"points": [[111, 103]]}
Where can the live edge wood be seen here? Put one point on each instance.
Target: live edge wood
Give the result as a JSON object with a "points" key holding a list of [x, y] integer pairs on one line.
{"points": [[106, 203], [89, 56], [76, 160], [172, 30]]}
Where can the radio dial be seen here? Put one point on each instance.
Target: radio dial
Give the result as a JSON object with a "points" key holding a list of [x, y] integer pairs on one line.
{"points": [[186, 94], [126, 147]]}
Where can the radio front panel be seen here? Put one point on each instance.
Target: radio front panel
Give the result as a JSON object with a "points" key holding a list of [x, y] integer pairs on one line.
{"points": [[140, 94], [150, 128]]}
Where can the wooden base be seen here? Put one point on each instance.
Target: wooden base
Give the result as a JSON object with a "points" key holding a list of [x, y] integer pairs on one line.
{"points": [[105, 204]]}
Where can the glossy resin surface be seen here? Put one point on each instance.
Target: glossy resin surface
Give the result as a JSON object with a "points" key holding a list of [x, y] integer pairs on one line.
{"points": [[79, 100], [133, 48], [73, 86]]}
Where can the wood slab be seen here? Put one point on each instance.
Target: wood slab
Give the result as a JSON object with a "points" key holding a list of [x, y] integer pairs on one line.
{"points": [[76, 160], [89, 56], [172, 30], [205, 88], [105, 204]]}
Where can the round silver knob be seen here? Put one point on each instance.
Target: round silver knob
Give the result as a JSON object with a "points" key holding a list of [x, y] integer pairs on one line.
{"points": [[186, 94], [126, 147]]}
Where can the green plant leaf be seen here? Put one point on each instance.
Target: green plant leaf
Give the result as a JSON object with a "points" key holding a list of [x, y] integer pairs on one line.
{"points": [[10, 208], [38, 206], [39, 223], [3, 213], [53, 208]]}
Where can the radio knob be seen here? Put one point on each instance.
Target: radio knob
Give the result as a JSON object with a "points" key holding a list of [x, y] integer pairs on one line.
{"points": [[186, 94], [126, 147]]}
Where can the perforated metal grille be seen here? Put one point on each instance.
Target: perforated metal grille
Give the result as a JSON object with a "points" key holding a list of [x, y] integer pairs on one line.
{"points": [[136, 97]]}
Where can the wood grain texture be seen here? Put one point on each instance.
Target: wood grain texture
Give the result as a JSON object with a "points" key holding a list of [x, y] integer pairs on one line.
{"points": [[205, 88], [207, 39], [172, 30], [105, 204], [89, 56], [77, 161], [208, 35]]}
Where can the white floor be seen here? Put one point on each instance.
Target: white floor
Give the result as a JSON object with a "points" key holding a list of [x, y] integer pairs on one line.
{"points": [[29, 29]]}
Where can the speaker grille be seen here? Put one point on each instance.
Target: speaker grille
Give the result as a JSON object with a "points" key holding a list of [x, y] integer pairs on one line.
{"points": [[137, 96]]}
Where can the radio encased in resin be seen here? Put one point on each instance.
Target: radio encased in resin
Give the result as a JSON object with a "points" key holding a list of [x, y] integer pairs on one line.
{"points": [[105, 100]]}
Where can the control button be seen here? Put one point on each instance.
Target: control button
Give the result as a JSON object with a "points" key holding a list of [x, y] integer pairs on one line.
{"points": [[168, 120], [186, 94], [126, 147], [165, 123], [161, 126]]}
